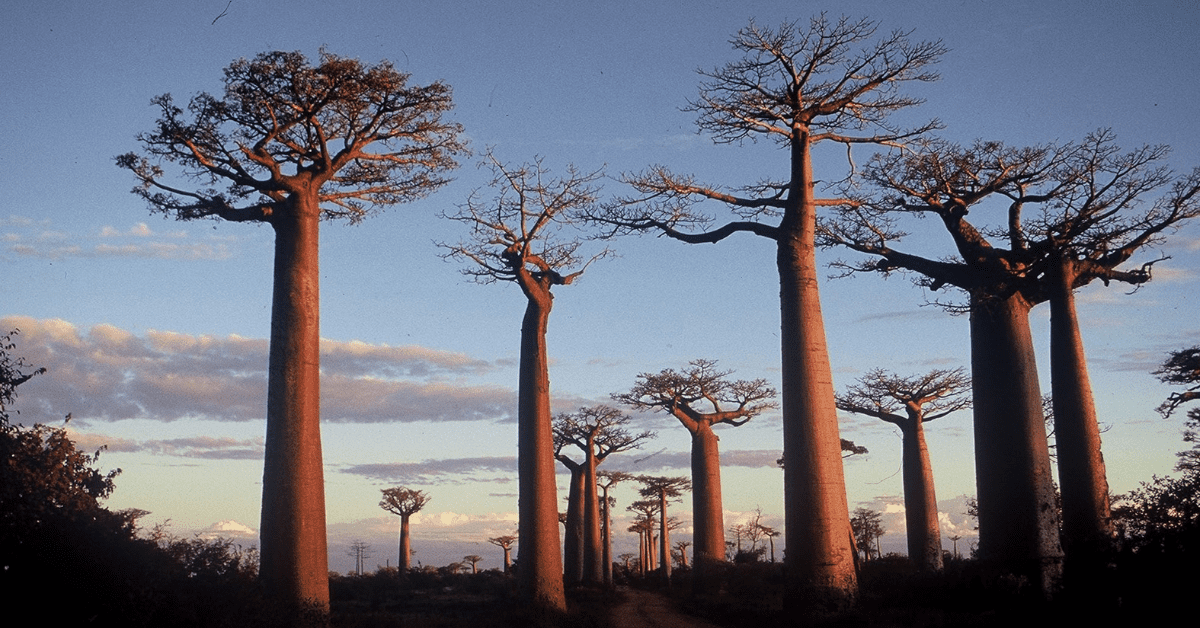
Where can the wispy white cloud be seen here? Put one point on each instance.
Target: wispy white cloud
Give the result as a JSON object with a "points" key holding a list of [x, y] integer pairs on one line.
{"points": [[107, 374], [138, 241], [448, 471], [204, 447]]}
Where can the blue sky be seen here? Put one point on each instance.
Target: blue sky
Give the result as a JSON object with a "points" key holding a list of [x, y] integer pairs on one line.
{"points": [[154, 330]]}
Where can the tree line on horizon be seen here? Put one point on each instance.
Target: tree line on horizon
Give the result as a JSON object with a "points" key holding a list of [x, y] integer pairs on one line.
{"points": [[290, 143]]}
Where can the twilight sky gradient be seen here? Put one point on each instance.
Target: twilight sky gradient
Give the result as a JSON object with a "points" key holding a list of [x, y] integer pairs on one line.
{"points": [[154, 331]]}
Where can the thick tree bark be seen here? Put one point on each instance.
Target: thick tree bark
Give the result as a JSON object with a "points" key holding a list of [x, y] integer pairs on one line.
{"points": [[1018, 520], [540, 575], [1087, 521], [573, 553], [405, 559], [707, 508], [294, 558], [920, 502], [819, 559]]}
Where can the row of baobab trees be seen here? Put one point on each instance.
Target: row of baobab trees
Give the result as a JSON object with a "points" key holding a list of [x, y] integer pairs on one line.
{"points": [[289, 144], [701, 396]]}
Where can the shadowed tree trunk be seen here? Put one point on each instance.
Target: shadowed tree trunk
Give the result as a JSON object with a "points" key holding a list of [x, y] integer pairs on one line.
{"points": [[593, 571], [1011, 458], [573, 543]]}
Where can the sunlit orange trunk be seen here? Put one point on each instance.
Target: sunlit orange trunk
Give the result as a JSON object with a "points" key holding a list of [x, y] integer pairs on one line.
{"points": [[540, 571], [920, 502], [1018, 520], [294, 563], [819, 558], [707, 510], [1087, 520], [405, 559]]}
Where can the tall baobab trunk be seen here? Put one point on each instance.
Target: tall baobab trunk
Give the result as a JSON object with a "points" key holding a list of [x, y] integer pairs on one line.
{"points": [[573, 550], [920, 503], [593, 555], [1087, 521], [540, 575], [294, 558], [819, 559], [664, 545], [707, 510], [1018, 520], [405, 560], [606, 540]]}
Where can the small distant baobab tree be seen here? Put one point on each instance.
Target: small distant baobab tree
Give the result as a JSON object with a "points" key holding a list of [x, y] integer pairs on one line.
{"points": [[360, 550], [474, 560], [598, 432], [516, 236], [606, 480], [404, 502], [867, 525], [505, 543], [290, 144], [681, 552], [830, 81], [663, 490], [908, 403], [700, 397]]}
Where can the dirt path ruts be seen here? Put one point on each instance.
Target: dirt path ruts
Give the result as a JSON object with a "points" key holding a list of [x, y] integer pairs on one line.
{"points": [[644, 609]]}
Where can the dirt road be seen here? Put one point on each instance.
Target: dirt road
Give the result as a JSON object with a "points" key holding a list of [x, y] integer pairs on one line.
{"points": [[644, 609]]}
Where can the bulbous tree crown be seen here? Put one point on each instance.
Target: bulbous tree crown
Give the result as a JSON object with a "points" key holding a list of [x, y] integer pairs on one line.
{"points": [[358, 137]]}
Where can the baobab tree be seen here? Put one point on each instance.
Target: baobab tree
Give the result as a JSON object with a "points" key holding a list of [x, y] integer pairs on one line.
{"points": [[681, 552], [514, 237], [1181, 368], [868, 528], [290, 144], [1087, 223], [360, 550], [830, 82], [403, 502], [1101, 220], [645, 518], [921, 398], [700, 397], [474, 560], [598, 432], [505, 543], [663, 490], [606, 480]]}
